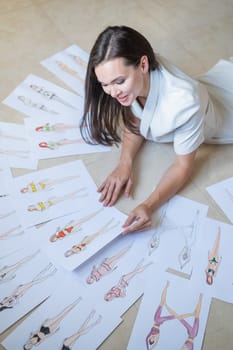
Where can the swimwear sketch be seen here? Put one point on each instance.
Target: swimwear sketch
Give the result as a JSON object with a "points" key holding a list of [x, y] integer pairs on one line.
{"points": [[15, 153], [42, 206], [214, 260], [3, 216], [193, 329], [189, 233], [10, 301], [56, 144], [78, 60], [83, 329], [57, 127], [78, 248], [10, 233], [49, 327], [120, 289], [65, 68], [71, 227], [49, 95], [107, 266], [46, 184], [153, 336], [8, 273], [27, 102]]}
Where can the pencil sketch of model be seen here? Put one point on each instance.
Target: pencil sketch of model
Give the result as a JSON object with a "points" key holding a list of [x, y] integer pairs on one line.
{"points": [[8, 272], [83, 329], [56, 127], [10, 301], [49, 95], [45, 184], [81, 246], [214, 260], [49, 327], [65, 68], [107, 266], [56, 144], [78, 60], [15, 153], [5, 215], [42, 206], [29, 103], [11, 137], [13, 232], [72, 226], [120, 289], [189, 232]]}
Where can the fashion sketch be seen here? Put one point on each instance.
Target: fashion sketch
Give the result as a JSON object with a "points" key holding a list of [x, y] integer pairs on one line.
{"points": [[42, 206], [78, 248], [214, 260], [15, 153], [49, 95], [119, 291], [29, 103], [13, 232], [65, 68], [56, 144], [49, 327], [45, 184], [78, 60], [10, 301], [83, 329], [56, 127]]}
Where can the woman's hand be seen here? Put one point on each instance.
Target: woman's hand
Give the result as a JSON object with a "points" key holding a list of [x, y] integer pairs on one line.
{"points": [[119, 180], [139, 219]]}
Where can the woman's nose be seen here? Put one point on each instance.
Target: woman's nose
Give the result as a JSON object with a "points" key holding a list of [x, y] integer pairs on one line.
{"points": [[114, 92]]}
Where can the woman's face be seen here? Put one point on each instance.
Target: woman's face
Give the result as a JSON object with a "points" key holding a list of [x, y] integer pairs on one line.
{"points": [[122, 82]]}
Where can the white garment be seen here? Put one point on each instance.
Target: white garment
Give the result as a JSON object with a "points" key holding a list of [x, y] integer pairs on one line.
{"points": [[188, 111]]}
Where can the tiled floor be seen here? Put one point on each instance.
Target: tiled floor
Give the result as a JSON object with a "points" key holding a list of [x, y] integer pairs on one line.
{"points": [[193, 34]]}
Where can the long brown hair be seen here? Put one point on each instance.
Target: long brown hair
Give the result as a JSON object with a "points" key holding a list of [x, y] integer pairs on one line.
{"points": [[102, 113]]}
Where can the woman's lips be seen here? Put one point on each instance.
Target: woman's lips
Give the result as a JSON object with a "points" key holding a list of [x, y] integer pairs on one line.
{"points": [[122, 99]]}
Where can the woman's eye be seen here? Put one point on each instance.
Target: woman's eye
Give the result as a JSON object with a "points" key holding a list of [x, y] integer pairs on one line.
{"points": [[119, 82]]}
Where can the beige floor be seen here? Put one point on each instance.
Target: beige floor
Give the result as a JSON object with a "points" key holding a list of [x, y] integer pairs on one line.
{"points": [[193, 34]]}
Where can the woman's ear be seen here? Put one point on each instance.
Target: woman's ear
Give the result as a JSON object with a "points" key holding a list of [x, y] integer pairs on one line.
{"points": [[144, 64]]}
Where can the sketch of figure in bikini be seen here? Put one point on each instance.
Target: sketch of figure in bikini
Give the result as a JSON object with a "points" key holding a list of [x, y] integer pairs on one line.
{"points": [[153, 336], [49, 95], [81, 246], [107, 266], [71, 227], [42, 206], [56, 144], [189, 233], [10, 301], [119, 291], [49, 327], [56, 127], [83, 329], [65, 68], [45, 184], [15, 153], [13, 232], [27, 102], [214, 260], [193, 329], [78, 60], [8, 272]]}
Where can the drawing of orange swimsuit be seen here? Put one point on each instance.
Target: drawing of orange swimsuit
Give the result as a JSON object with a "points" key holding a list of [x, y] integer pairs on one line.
{"points": [[62, 233]]}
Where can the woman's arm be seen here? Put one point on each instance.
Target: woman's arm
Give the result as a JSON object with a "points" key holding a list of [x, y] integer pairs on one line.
{"points": [[121, 177], [172, 181]]}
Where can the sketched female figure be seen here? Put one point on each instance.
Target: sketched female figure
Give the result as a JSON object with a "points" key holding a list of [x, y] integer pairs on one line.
{"points": [[49, 327], [71, 227], [8, 273], [56, 144], [45, 184], [192, 330], [107, 265], [65, 68], [10, 301], [154, 334], [27, 102], [119, 291], [10, 233], [69, 342], [78, 60], [41, 206], [57, 127], [50, 95], [214, 260], [78, 248], [5, 215]]}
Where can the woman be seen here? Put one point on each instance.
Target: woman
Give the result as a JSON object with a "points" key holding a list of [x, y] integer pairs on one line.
{"points": [[156, 101]]}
